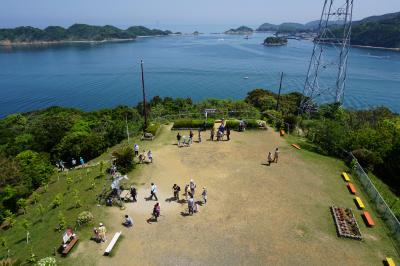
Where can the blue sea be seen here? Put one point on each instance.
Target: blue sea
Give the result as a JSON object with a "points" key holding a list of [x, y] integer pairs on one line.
{"points": [[99, 75]]}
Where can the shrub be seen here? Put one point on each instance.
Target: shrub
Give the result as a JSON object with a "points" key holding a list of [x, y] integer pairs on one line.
{"points": [[153, 128], [56, 201], [124, 159], [48, 261], [62, 223], [193, 123], [84, 217], [367, 158], [233, 124]]}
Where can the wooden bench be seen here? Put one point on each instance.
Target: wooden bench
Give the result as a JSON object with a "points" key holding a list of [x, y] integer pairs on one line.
{"points": [[112, 243], [296, 146], [368, 219], [70, 245], [346, 177], [359, 203], [390, 262], [351, 188]]}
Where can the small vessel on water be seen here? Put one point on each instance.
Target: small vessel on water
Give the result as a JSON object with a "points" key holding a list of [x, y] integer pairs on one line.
{"points": [[245, 77], [247, 37]]}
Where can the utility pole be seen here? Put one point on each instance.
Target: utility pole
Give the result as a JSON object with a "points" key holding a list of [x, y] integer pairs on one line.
{"points": [[279, 93], [144, 98]]}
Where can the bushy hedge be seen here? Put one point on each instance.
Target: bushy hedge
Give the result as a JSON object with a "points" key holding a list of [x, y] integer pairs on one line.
{"points": [[153, 128], [193, 123]]}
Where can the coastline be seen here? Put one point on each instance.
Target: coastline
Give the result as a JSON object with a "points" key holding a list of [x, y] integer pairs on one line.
{"points": [[376, 47], [6, 43]]}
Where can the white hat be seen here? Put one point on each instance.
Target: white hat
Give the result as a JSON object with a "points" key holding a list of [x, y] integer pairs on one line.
{"points": [[101, 224]]}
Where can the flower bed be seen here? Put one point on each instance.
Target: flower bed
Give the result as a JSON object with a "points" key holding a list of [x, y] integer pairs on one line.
{"points": [[346, 223]]}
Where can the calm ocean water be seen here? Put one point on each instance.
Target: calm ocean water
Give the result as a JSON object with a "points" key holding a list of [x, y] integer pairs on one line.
{"points": [[94, 76]]}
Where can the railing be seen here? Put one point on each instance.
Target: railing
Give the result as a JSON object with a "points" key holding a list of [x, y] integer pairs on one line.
{"points": [[382, 208]]}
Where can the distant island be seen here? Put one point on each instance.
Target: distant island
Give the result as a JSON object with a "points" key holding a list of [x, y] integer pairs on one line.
{"points": [[240, 30], [376, 31], [275, 41], [75, 33]]}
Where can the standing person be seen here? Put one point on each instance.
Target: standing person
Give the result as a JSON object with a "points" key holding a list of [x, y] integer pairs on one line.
{"points": [[136, 149], [153, 191], [156, 211], [186, 190], [102, 232], [62, 166], [81, 160], [178, 138], [192, 186], [228, 132], [176, 190], [269, 158], [199, 135], [133, 193], [212, 134], [150, 156], [204, 195], [183, 140], [276, 155], [73, 162], [191, 137], [191, 205]]}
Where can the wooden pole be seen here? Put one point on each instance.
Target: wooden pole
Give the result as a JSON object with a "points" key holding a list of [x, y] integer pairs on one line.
{"points": [[144, 97], [279, 93]]}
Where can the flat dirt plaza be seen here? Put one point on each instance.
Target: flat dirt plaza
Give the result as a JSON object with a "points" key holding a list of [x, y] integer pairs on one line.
{"points": [[255, 215]]}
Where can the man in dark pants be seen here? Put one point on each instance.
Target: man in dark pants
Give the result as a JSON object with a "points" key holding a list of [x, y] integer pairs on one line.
{"points": [[133, 194], [153, 191]]}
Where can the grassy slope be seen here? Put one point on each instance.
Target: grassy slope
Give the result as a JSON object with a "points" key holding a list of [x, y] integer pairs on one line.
{"points": [[336, 166], [44, 237]]}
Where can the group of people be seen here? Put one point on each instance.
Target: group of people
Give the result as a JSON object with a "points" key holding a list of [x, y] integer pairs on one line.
{"points": [[186, 141], [100, 233], [61, 164], [189, 193], [275, 159], [143, 156], [223, 130]]}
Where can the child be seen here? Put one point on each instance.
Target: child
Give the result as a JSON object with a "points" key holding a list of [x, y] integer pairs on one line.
{"points": [[269, 158], [204, 195]]}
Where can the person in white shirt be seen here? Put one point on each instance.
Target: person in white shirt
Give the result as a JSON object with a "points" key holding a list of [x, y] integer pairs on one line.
{"points": [[136, 149], [150, 156], [128, 221], [153, 191]]}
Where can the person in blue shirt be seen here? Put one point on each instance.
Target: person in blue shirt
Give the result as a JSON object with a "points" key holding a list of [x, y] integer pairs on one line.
{"points": [[81, 160]]}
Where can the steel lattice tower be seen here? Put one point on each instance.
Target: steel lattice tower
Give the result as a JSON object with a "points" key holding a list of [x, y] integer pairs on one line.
{"points": [[326, 77]]}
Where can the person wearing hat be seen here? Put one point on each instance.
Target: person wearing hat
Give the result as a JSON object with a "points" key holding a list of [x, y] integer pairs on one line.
{"points": [[102, 232], [204, 195]]}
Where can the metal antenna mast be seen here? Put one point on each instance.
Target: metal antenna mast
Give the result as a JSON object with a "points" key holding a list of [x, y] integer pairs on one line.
{"points": [[327, 71]]}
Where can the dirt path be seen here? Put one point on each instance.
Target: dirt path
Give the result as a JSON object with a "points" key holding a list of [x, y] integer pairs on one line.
{"points": [[256, 214]]}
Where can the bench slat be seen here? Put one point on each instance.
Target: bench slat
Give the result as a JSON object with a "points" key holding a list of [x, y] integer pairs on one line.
{"points": [[390, 262], [70, 245], [352, 188], [368, 219], [112, 243], [360, 203], [346, 176]]}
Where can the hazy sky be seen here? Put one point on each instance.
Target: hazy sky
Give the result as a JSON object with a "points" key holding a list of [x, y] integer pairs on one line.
{"points": [[164, 13]]}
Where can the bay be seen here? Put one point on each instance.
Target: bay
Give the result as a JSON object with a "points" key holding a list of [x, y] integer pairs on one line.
{"points": [[91, 76]]}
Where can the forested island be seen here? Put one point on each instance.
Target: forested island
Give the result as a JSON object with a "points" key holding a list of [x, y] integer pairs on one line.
{"points": [[75, 33], [275, 41], [240, 30], [376, 31]]}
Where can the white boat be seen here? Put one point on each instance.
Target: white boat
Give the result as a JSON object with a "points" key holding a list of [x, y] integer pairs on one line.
{"points": [[245, 77]]}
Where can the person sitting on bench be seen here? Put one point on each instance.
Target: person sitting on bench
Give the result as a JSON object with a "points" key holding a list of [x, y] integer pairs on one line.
{"points": [[128, 221]]}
